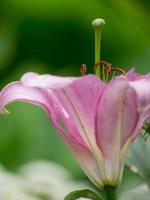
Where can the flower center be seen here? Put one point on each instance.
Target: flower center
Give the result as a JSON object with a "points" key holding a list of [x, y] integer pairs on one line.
{"points": [[108, 70]]}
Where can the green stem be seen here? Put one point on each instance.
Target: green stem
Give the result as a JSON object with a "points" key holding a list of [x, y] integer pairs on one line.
{"points": [[97, 24], [97, 49], [110, 193]]}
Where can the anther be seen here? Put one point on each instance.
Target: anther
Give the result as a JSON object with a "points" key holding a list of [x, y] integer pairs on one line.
{"points": [[119, 70], [108, 68], [102, 62], [83, 69]]}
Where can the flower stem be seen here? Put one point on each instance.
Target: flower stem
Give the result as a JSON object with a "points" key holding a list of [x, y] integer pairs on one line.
{"points": [[97, 24], [110, 193]]}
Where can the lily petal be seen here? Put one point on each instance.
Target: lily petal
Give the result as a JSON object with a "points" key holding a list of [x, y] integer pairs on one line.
{"points": [[78, 96], [114, 109], [142, 89], [132, 75], [80, 100], [88, 163], [113, 125], [70, 101], [32, 79], [44, 98]]}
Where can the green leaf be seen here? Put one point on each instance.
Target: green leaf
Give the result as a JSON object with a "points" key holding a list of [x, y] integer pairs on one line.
{"points": [[86, 193], [138, 158]]}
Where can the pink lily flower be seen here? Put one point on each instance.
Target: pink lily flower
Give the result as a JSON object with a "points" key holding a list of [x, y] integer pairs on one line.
{"points": [[97, 120]]}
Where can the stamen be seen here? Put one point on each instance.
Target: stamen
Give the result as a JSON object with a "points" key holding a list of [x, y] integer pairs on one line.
{"points": [[108, 68], [108, 65], [119, 70], [83, 69]]}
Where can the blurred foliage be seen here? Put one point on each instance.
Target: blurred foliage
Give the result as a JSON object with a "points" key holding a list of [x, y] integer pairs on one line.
{"points": [[27, 135], [138, 158], [55, 36]]}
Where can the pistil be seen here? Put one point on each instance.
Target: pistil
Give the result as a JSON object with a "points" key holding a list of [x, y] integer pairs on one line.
{"points": [[98, 24]]}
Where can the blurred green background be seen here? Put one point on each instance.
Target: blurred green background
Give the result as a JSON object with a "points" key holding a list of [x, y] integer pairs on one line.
{"points": [[56, 36]]}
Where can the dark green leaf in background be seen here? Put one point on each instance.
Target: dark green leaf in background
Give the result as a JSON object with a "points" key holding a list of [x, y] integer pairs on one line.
{"points": [[86, 193], [139, 158]]}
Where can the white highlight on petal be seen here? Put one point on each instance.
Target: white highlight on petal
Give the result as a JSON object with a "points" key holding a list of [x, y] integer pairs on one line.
{"points": [[53, 82]]}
